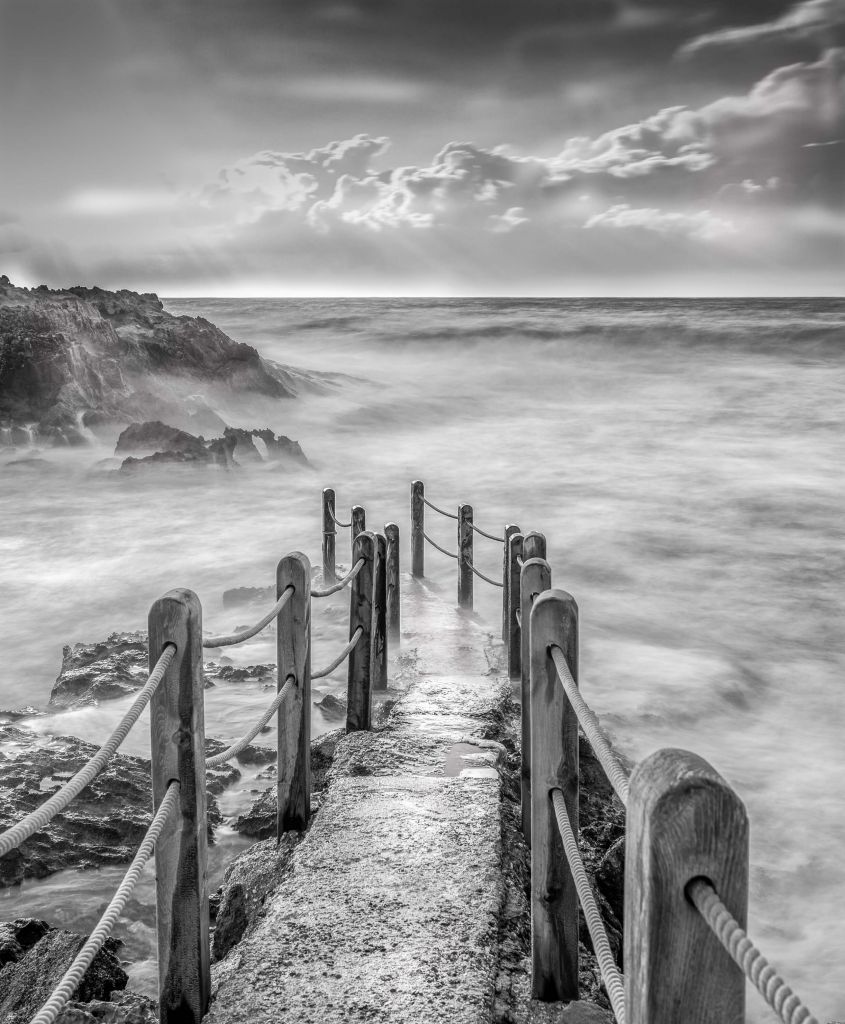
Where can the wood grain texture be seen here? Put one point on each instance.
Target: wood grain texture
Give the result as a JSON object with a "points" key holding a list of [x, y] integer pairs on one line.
{"points": [[394, 610], [684, 821], [514, 571], [554, 765], [417, 528], [379, 636], [509, 531], [359, 523], [533, 545], [536, 579], [329, 536], [359, 674], [178, 752], [293, 659], [465, 556]]}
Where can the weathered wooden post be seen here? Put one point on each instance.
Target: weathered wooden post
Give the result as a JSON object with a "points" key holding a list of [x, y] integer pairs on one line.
{"points": [[465, 556], [510, 530], [533, 546], [417, 529], [293, 660], [514, 570], [684, 822], [554, 765], [359, 523], [329, 535], [359, 677], [177, 748], [391, 532], [379, 637], [536, 579]]}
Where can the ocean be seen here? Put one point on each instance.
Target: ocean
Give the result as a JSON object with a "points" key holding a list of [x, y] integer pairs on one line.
{"points": [[684, 459]]}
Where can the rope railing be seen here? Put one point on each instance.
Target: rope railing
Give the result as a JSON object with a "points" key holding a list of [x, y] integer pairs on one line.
{"points": [[344, 654], [43, 814], [480, 575], [228, 640], [489, 536], [244, 741], [616, 772], [95, 941], [353, 572], [337, 522], [442, 511], [434, 544], [611, 977], [771, 986]]}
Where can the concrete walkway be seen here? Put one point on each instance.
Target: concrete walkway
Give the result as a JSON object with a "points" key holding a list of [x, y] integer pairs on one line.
{"points": [[390, 908]]}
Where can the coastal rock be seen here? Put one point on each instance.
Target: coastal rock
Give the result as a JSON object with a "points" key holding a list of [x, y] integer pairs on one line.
{"points": [[105, 823], [331, 706], [156, 436], [87, 357], [111, 668]]}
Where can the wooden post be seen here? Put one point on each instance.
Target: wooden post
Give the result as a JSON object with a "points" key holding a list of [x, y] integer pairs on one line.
{"points": [[534, 545], [417, 528], [329, 534], [554, 765], [510, 530], [465, 556], [514, 571], [536, 579], [359, 523], [359, 677], [293, 658], [684, 821], [379, 636], [177, 748], [394, 613]]}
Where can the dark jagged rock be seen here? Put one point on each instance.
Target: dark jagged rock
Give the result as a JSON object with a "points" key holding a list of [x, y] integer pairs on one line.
{"points": [[88, 356], [17, 714], [156, 436], [111, 668], [331, 706], [240, 673], [27, 981], [104, 825], [122, 1008]]}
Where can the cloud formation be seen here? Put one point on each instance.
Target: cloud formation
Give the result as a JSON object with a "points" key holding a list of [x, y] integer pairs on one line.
{"points": [[818, 21]]}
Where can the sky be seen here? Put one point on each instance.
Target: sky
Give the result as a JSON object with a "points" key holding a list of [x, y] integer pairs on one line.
{"points": [[419, 147]]}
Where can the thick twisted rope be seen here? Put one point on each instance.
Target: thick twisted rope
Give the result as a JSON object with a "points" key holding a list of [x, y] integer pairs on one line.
{"points": [[481, 575], [38, 818], [344, 526], [520, 561], [442, 511], [616, 773], [76, 972], [244, 741], [518, 615], [607, 965], [745, 954], [434, 544], [238, 638], [356, 636], [353, 572], [489, 536]]}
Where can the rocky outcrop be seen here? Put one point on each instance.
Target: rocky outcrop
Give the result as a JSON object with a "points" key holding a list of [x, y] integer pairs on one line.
{"points": [[88, 358], [155, 436], [111, 668]]}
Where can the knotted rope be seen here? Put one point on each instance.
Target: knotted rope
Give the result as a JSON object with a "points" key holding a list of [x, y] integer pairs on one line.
{"points": [[434, 544], [245, 634], [38, 818], [442, 511], [609, 759], [356, 636], [607, 965], [244, 741], [76, 972], [353, 572], [745, 954], [489, 536], [483, 577]]}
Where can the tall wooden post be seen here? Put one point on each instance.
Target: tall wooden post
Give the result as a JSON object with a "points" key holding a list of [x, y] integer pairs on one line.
{"points": [[465, 556], [359, 676], [359, 523], [534, 545], [554, 765], [510, 530], [514, 570], [391, 532], [379, 655], [293, 660], [417, 529], [178, 753], [329, 536], [684, 821], [536, 579]]}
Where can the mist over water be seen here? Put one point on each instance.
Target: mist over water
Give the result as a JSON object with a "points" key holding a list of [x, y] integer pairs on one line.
{"points": [[684, 460]]}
